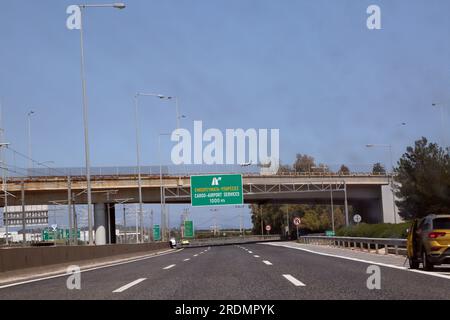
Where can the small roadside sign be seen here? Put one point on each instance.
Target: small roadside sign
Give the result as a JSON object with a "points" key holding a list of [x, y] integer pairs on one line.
{"points": [[330, 233], [188, 229], [268, 227], [156, 232], [297, 221], [357, 218]]}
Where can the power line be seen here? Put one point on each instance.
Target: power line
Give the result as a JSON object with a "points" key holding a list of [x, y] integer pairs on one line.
{"points": [[33, 160]]}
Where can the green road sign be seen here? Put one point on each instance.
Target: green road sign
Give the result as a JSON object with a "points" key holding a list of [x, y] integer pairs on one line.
{"points": [[156, 232], [330, 233], [66, 234], [188, 229], [216, 190], [49, 235]]}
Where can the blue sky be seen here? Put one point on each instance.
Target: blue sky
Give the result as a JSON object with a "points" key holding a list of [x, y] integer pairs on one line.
{"points": [[310, 68]]}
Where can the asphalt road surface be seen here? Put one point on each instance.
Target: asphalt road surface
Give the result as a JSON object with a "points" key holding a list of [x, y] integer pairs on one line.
{"points": [[254, 271]]}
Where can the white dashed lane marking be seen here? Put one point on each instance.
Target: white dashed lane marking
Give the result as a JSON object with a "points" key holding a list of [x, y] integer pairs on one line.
{"points": [[128, 286], [169, 267], [294, 281], [267, 262]]}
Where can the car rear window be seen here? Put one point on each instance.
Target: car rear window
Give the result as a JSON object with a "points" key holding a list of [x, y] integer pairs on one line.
{"points": [[441, 223]]}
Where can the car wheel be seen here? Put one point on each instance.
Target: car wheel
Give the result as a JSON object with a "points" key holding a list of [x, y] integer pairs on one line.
{"points": [[426, 263], [413, 263]]}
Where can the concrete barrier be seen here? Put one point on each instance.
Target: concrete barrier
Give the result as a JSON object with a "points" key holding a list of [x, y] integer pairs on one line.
{"points": [[21, 258]]}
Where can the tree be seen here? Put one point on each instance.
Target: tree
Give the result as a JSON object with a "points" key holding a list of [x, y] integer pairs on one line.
{"points": [[282, 169], [344, 170], [378, 168], [303, 163], [423, 180]]}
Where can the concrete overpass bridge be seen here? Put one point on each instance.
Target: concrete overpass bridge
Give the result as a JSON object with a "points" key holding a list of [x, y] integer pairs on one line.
{"points": [[369, 194]]}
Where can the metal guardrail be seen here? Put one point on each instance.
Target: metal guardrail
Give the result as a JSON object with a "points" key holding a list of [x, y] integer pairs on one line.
{"points": [[229, 241], [364, 244]]}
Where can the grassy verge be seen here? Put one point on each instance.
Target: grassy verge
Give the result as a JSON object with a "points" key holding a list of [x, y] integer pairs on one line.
{"points": [[382, 230]]}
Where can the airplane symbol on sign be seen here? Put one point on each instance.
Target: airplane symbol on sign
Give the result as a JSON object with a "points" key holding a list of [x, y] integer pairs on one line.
{"points": [[215, 181]]}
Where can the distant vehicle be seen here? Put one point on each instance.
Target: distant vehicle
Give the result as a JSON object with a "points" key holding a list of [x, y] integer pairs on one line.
{"points": [[429, 242], [185, 242], [173, 243]]}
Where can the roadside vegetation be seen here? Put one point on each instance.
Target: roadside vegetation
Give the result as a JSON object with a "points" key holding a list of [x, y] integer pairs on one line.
{"points": [[382, 230], [422, 185]]}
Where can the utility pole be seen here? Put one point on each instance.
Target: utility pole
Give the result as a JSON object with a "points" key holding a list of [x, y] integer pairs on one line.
{"points": [[125, 224], [151, 226], [24, 236], [287, 220], [69, 207], [75, 220], [332, 206], [262, 222]]}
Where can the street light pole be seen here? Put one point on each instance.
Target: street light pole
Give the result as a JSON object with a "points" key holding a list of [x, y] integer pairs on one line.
{"points": [[5, 191], [138, 156], [30, 162], [85, 111], [161, 189], [138, 147], [443, 138]]}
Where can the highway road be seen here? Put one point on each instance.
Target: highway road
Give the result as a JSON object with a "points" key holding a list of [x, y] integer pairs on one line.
{"points": [[253, 271]]}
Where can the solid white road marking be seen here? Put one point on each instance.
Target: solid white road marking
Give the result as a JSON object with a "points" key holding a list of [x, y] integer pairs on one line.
{"points": [[250, 252], [187, 259], [294, 281], [169, 267], [64, 274], [256, 256], [128, 286], [195, 255], [267, 262], [364, 261]]}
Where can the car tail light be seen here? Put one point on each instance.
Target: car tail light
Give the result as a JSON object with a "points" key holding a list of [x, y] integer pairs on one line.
{"points": [[434, 235], [435, 248]]}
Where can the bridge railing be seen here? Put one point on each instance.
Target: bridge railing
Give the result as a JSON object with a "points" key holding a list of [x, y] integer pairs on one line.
{"points": [[396, 246], [172, 170]]}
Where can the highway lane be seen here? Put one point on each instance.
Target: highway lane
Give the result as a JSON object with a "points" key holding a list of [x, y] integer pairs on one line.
{"points": [[253, 271]]}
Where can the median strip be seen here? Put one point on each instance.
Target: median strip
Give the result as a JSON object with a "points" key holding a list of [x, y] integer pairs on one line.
{"points": [[294, 281], [128, 286]]}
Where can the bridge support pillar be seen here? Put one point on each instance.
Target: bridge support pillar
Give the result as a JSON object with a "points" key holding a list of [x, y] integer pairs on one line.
{"points": [[100, 224], [104, 223]]}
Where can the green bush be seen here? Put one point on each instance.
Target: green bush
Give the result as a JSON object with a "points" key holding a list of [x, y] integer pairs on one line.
{"points": [[382, 230]]}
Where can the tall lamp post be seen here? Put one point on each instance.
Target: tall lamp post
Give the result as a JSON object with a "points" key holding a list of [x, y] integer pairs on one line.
{"points": [[161, 190], [443, 126], [391, 177], [30, 162], [5, 191], [138, 147], [85, 110]]}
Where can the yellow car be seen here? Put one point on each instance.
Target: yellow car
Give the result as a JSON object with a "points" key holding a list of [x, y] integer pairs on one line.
{"points": [[185, 242], [429, 242]]}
